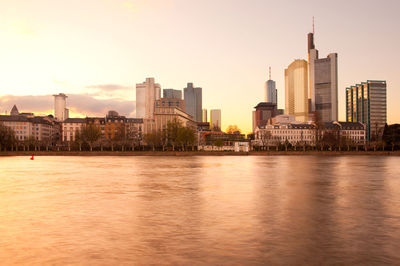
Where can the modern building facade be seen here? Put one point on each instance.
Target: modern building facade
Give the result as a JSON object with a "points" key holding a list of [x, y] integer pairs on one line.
{"points": [[323, 83], [193, 101], [204, 115], [296, 90], [366, 103], [171, 93], [146, 95], [271, 94], [215, 119], [60, 107]]}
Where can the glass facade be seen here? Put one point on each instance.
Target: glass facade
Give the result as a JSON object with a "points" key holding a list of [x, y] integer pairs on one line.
{"points": [[366, 103]]}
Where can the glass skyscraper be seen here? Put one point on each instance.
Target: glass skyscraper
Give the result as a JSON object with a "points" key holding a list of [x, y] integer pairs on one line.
{"points": [[366, 103]]}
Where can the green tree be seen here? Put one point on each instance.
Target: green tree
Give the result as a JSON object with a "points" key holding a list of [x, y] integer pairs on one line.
{"points": [[173, 128], [90, 133], [7, 137], [152, 139], [219, 143]]}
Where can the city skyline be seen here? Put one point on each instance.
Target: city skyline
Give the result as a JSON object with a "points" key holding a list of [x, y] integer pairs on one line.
{"points": [[37, 51]]}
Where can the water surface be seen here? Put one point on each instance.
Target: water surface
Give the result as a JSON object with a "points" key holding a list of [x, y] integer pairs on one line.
{"points": [[288, 210]]}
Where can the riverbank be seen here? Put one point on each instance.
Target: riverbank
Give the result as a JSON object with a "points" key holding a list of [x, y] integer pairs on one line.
{"points": [[198, 153]]}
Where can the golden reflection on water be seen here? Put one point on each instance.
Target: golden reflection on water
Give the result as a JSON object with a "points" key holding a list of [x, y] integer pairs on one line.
{"points": [[202, 210]]}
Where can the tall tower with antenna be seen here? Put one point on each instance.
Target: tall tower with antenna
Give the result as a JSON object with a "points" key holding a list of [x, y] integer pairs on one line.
{"points": [[271, 95], [322, 80]]}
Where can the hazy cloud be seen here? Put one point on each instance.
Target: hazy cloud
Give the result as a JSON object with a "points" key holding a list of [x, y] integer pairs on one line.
{"points": [[77, 103]]}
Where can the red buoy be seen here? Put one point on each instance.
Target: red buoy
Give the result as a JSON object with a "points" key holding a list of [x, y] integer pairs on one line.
{"points": [[32, 158]]}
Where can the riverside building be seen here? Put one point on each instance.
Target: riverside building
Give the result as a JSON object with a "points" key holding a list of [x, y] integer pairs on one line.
{"points": [[366, 103]]}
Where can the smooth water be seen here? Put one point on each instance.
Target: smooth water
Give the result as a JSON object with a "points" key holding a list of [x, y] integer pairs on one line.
{"points": [[288, 210]]}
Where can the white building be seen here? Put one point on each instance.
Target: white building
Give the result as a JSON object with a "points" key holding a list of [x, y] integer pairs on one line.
{"points": [[299, 134], [215, 118], [60, 111], [70, 126], [146, 95]]}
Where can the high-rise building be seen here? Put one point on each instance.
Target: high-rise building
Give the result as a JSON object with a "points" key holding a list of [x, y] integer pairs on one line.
{"points": [[323, 83], [193, 100], [171, 93], [204, 115], [271, 94], [366, 103], [60, 111], [264, 113], [215, 119], [296, 90], [146, 95]]}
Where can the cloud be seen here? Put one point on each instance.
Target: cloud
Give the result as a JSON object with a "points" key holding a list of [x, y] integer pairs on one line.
{"points": [[78, 103], [108, 87]]}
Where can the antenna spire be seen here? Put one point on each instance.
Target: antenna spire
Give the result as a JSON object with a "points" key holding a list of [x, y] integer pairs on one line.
{"points": [[269, 73], [313, 25]]}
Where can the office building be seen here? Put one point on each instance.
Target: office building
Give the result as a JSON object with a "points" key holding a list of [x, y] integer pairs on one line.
{"points": [[215, 119], [171, 102], [296, 90], [271, 94], [323, 83], [193, 101], [366, 103], [204, 115], [146, 95], [265, 111], [60, 111], [171, 93]]}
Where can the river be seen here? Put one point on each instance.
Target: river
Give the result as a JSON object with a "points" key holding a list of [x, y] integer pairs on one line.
{"points": [[228, 210]]}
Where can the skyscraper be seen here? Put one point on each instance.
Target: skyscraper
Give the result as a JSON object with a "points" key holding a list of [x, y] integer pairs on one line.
{"points": [[193, 100], [146, 95], [171, 93], [271, 95], [60, 111], [215, 119], [323, 83], [204, 115], [296, 90], [366, 103]]}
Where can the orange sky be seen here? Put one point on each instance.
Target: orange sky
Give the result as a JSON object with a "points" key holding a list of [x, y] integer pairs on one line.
{"points": [[224, 46]]}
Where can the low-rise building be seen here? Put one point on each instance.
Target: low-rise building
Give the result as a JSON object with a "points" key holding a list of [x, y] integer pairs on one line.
{"points": [[337, 133], [69, 128]]}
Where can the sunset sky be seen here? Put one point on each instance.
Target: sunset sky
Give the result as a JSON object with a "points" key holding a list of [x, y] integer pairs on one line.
{"points": [[95, 51]]}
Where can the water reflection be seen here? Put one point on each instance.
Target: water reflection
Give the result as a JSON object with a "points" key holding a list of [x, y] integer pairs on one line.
{"points": [[203, 210]]}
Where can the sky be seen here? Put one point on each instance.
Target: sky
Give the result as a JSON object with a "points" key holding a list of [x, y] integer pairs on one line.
{"points": [[95, 51]]}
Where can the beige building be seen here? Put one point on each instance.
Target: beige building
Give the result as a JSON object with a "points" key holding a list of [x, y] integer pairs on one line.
{"points": [[296, 90], [70, 126], [164, 115], [204, 115], [146, 94], [215, 119]]}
